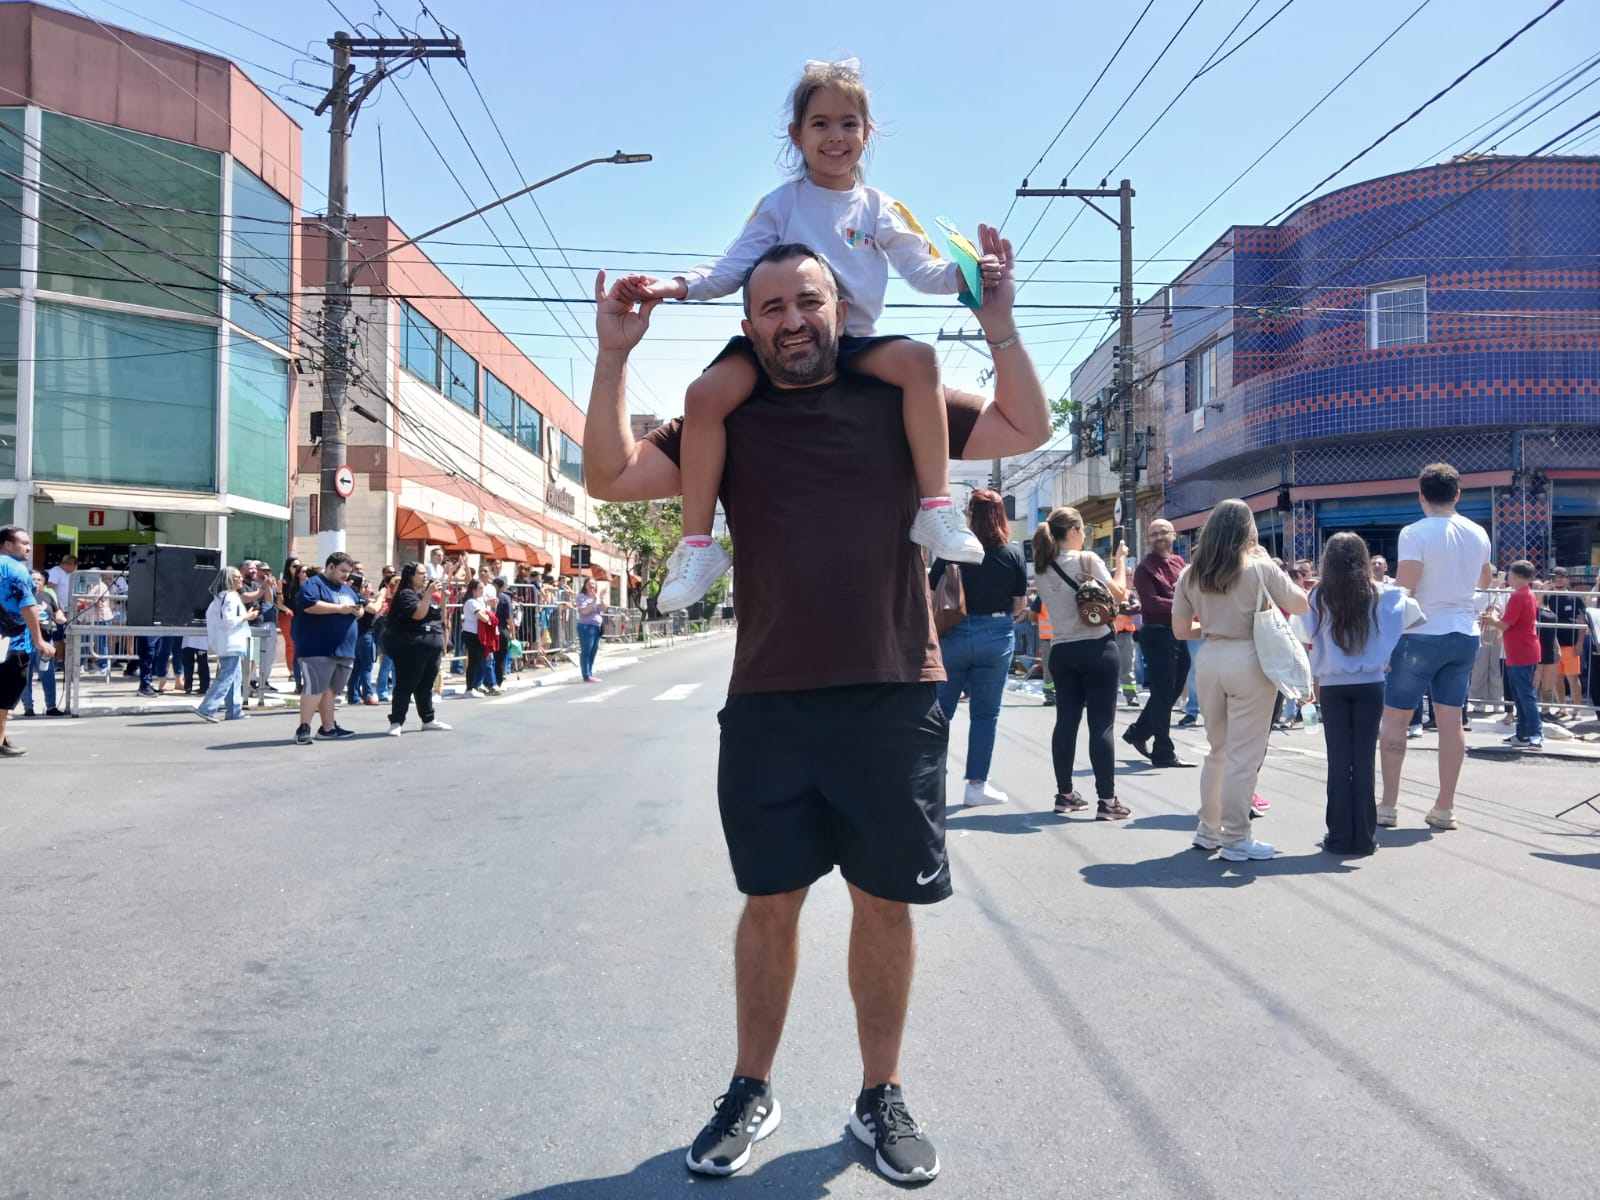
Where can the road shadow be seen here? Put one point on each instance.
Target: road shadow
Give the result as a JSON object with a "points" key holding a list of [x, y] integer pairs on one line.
{"points": [[1592, 861], [1389, 836], [798, 1175], [987, 819], [1181, 822], [1191, 868]]}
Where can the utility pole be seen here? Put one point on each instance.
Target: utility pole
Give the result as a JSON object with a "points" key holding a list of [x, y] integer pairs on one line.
{"points": [[994, 464], [335, 324], [1122, 352]]}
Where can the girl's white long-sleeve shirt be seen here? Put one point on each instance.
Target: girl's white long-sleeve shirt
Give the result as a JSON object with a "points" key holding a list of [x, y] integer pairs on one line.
{"points": [[860, 232]]}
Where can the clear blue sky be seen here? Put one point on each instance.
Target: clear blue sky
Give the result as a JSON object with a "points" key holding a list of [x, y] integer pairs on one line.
{"points": [[967, 97]]}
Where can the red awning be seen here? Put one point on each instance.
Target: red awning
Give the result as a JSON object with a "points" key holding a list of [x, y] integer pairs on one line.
{"points": [[508, 551], [601, 574], [472, 541], [414, 526], [538, 557], [566, 565]]}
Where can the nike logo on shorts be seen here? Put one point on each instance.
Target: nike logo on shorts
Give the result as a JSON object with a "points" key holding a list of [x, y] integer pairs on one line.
{"points": [[924, 879]]}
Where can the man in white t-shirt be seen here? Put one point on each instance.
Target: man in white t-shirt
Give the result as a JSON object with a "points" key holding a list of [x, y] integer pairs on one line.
{"points": [[1443, 562], [59, 578]]}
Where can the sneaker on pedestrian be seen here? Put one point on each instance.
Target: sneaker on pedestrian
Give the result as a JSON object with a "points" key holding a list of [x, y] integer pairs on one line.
{"points": [[491, 691], [1246, 850], [54, 712], [1131, 697], [1111, 810], [1260, 806], [302, 736], [209, 718], [148, 692], [981, 793], [690, 571], [1069, 802], [372, 701], [473, 692], [1414, 731], [1441, 818], [1204, 841], [395, 730], [1049, 700], [9, 749], [745, 1113], [1388, 815], [1188, 722], [434, 725], [332, 735], [946, 535], [880, 1119]]}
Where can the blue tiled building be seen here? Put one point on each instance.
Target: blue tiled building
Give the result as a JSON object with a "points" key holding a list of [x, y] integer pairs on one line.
{"points": [[1450, 312]]}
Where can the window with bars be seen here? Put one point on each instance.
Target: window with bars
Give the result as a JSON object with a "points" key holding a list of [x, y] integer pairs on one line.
{"points": [[1398, 314]]}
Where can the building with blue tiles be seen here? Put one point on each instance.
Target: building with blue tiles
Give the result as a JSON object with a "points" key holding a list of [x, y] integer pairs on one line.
{"points": [[1450, 312]]}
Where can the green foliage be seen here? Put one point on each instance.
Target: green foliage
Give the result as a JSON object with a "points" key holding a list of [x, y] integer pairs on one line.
{"points": [[1063, 412], [645, 531]]}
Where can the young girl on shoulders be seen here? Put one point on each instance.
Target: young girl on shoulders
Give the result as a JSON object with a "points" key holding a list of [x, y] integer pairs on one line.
{"points": [[861, 231]]}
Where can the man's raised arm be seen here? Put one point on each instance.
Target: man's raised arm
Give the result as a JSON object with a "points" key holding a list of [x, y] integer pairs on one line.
{"points": [[1018, 420], [615, 466]]}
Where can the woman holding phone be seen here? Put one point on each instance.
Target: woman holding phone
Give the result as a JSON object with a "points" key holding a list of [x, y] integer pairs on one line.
{"points": [[413, 637]]}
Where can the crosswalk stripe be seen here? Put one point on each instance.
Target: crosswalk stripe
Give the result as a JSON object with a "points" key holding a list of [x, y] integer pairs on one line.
{"points": [[680, 691], [600, 696]]}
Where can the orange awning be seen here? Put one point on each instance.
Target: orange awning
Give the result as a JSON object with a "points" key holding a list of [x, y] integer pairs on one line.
{"points": [[508, 551], [600, 573], [566, 565], [470, 540], [635, 581], [414, 526], [538, 557]]}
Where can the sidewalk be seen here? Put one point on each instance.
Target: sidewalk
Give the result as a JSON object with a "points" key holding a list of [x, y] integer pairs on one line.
{"points": [[120, 698]]}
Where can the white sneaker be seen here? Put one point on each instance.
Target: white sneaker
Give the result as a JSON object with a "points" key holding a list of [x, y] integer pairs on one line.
{"points": [[1204, 841], [473, 692], [1246, 850], [1415, 731], [396, 730], [945, 535], [435, 724], [981, 793], [690, 571]]}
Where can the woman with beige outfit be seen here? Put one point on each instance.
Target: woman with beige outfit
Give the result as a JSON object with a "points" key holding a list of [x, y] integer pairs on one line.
{"points": [[1229, 579]]}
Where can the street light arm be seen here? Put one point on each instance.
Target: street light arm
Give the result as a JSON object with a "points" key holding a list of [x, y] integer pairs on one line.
{"points": [[619, 157]]}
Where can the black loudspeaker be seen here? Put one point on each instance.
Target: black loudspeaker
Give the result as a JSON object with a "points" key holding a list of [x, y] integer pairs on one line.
{"points": [[171, 585]]}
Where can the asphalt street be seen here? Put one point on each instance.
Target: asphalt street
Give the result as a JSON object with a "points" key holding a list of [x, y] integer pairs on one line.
{"points": [[495, 963]]}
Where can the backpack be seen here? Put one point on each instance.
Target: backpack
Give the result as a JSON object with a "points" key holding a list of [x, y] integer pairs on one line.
{"points": [[1096, 608], [949, 601]]}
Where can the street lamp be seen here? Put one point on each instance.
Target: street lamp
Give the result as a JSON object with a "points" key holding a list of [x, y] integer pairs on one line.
{"points": [[619, 157]]}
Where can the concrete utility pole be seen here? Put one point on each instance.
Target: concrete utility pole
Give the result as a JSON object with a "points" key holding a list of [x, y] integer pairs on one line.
{"points": [[1122, 352], [994, 464], [335, 323]]}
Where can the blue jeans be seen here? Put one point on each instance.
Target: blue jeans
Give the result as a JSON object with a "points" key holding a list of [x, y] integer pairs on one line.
{"points": [[588, 647], [1439, 664], [361, 674], [1530, 725], [227, 688], [386, 678], [46, 670], [977, 659], [1192, 707]]}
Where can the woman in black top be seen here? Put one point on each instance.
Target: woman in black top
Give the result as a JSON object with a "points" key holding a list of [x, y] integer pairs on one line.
{"points": [[977, 652], [413, 637]]}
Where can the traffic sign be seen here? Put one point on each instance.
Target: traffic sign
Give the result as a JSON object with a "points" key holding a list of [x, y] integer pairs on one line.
{"points": [[1116, 510], [344, 481]]}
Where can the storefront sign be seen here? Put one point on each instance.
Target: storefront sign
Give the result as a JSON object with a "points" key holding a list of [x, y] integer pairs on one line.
{"points": [[560, 499]]}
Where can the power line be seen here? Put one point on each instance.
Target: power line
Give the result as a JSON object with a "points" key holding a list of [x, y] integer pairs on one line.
{"points": [[1403, 122]]}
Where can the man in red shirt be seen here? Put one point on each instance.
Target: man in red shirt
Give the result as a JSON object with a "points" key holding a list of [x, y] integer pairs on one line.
{"points": [[1522, 656], [1166, 659]]}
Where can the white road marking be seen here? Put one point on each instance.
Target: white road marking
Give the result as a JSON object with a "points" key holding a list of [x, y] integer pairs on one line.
{"points": [[680, 691], [599, 697], [519, 697]]}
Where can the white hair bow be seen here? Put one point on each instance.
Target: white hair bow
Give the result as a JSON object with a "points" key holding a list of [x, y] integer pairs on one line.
{"points": [[853, 65]]}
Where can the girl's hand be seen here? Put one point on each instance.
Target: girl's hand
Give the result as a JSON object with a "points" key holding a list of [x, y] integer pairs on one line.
{"points": [[637, 289]]}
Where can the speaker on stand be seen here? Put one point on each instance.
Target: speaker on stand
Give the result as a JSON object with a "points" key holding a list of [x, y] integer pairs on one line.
{"points": [[171, 585]]}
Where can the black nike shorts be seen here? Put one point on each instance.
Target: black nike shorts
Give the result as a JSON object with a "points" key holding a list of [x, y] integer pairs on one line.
{"points": [[851, 777]]}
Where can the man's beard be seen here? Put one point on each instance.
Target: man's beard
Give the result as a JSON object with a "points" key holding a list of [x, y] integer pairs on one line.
{"points": [[811, 365]]}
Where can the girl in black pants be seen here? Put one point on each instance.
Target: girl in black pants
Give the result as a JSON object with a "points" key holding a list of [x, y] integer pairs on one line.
{"points": [[1353, 625], [414, 638], [1083, 657]]}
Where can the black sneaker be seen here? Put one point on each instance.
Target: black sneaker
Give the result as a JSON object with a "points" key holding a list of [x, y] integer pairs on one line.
{"points": [[338, 731], [880, 1119], [1188, 722], [746, 1113], [302, 736]]}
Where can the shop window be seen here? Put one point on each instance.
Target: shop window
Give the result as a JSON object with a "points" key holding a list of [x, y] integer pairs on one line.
{"points": [[258, 422], [128, 217], [259, 258], [120, 399], [1398, 314]]}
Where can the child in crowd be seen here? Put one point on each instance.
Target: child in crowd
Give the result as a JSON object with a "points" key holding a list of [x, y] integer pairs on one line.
{"points": [[860, 231]]}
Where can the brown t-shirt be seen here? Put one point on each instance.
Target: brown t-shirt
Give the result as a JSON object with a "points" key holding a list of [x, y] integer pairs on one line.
{"points": [[820, 494]]}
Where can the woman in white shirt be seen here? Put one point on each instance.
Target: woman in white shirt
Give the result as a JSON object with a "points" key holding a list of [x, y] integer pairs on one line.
{"points": [[228, 635], [473, 607], [1083, 658]]}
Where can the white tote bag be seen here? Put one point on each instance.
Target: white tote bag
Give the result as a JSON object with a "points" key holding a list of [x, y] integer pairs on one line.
{"points": [[1283, 659]]}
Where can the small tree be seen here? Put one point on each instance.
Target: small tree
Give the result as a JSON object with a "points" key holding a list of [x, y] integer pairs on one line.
{"points": [[644, 530]]}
